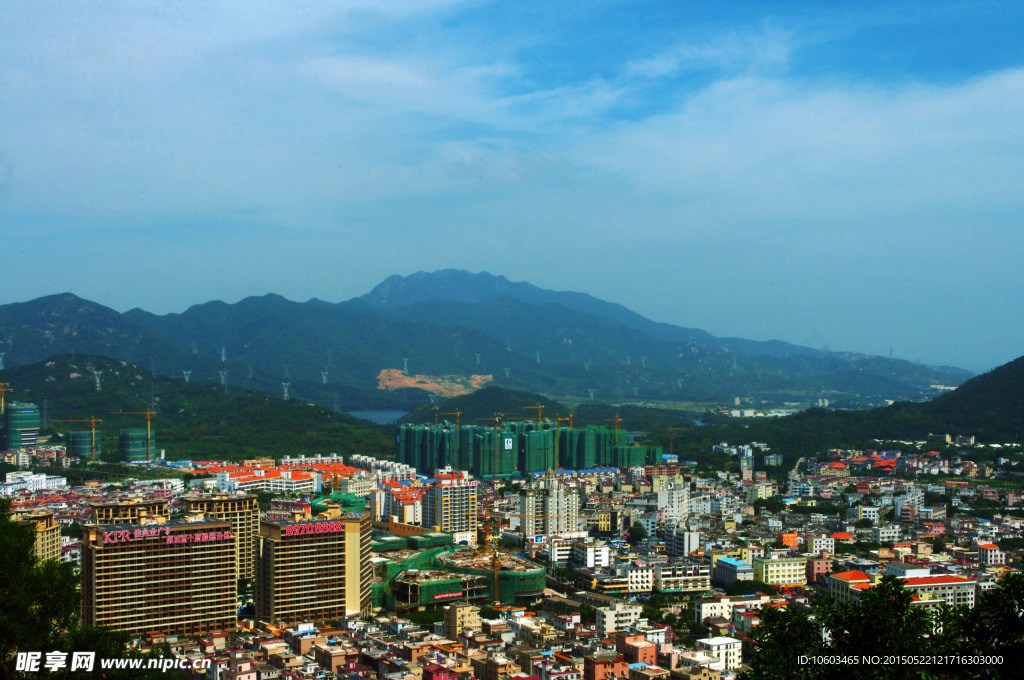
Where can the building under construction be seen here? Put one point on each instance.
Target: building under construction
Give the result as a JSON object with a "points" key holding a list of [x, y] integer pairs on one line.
{"points": [[424, 589], [519, 580], [517, 448]]}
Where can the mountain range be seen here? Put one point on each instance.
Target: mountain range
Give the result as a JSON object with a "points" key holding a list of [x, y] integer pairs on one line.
{"points": [[448, 332]]}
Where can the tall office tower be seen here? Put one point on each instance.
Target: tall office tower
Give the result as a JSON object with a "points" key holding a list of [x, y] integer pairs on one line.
{"points": [[243, 511], [176, 577], [317, 570], [548, 507], [131, 511], [451, 505]]}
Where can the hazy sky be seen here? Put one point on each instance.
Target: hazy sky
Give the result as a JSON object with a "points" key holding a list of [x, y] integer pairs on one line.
{"points": [[840, 175]]}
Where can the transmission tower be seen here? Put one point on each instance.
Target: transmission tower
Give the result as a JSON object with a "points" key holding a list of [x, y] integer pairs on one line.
{"points": [[97, 375], [323, 377], [187, 374], [286, 385], [223, 355], [537, 352], [507, 370], [586, 365], [223, 377], [405, 367], [591, 390]]}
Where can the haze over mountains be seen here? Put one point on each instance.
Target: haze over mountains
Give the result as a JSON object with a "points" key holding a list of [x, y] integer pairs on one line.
{"points": [[450, 325]]}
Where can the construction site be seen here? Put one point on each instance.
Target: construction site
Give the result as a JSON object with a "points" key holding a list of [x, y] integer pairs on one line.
{"points": [[518, 448]]}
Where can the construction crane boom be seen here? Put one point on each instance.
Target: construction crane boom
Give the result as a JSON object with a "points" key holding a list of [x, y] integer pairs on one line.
{"points": [[91, 419], [149, 415]]}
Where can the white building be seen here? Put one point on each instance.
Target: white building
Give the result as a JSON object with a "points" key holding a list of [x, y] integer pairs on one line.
{"points": [[674, 502], [17, 482], [682, 577], [548, 507], [590, 555], [726, 649], [617, 617]]}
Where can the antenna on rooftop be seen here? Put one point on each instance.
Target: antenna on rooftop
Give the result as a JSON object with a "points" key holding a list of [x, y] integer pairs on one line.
{"points": [[223, 355], [591, 390], [405, 366], [187, 374], [286, 385], [323, 377]]}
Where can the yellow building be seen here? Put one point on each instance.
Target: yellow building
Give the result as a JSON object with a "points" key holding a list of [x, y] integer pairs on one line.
{"points": [[175, 578], [47, 533], [316, 571], [243, 512], [782, 571], [460, 617], [131, 511]]}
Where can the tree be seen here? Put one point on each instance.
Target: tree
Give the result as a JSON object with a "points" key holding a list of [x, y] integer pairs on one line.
{"points": [[637, 534], [40, 607], [749, 587]]}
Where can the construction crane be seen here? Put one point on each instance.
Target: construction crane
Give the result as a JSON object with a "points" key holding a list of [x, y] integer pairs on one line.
{"points": [[618, 424], [497, 419], [558, 426], [4, 389], [92, 420], [458, 443], [435, 409], [540, 410], [490, 544], [149, 415], [672, 430]]}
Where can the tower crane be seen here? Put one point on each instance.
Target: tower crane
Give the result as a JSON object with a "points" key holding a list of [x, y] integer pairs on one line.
{"points": [[618, 424], [149, 415], [4, 389], [672, 430], [458, 442], [92, 420]]}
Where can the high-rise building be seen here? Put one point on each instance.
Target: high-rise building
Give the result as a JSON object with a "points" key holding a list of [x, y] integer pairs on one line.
{"points": [[131, 511], [316, 570], [549, 507], [451, 505], [243, 512], [47, 533], [176, 577]]}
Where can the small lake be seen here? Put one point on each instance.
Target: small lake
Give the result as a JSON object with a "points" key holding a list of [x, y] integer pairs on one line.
{"points": [[379, 417]]}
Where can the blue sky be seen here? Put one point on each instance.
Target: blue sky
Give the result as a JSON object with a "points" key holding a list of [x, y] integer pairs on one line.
{"points": [[841, 175]]}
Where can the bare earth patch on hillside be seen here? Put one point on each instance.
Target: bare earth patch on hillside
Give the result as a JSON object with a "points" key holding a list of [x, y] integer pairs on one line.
{"points": [[443, 385]]}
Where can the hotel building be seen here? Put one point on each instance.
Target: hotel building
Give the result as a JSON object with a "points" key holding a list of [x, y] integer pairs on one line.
{"points": [[243, 512], [313, 570], [175, 577]]}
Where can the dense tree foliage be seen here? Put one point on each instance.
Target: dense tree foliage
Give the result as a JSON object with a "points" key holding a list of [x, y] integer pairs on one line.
{"points": [[886, 622], [40, 608]]}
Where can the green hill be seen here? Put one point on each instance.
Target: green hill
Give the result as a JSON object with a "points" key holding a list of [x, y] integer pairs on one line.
{"points": [[194, 420]]}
